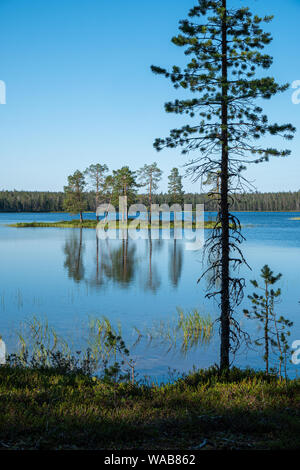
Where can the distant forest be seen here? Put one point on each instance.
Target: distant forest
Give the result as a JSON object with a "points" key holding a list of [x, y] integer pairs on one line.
{"points": [[28, 201]]}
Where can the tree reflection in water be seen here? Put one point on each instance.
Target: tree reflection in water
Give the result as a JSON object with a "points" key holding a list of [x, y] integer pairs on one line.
{"points": [[114, 260], [152, 281], [118, 264], [118, 261], [175, 262], [73, 250]]}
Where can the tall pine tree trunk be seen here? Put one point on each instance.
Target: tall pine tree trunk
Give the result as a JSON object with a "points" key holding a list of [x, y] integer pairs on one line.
{"points": [[224, 207], [150, 201], [266, 329]]}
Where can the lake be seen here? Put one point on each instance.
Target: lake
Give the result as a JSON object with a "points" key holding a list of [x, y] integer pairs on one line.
{"points": [[66, 277]]}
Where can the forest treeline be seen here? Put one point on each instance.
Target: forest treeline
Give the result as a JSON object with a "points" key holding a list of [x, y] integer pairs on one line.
{"points": [[38, 201]]}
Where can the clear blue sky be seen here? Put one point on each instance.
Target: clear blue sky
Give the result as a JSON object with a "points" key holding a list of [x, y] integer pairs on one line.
{"points": [[80, 89]]}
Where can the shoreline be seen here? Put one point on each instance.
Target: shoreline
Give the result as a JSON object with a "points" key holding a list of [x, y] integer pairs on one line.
{"points": [[202, 410], [111, 225], [205, 211]]}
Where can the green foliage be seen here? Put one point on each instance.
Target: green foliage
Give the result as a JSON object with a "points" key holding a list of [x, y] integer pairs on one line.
{"points": [[214, 181], [114, 372], [123, 184], [48, 409], [201, 37], [149, 176], [74, 201], [175, 188], [35, 201], [99, 331], [31, 201], [223, 46], [208, 224], [60, 224], [96, 175], [276, 329]]}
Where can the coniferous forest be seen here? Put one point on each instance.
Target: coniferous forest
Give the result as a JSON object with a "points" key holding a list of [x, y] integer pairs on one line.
{"points": [[40, 201]]}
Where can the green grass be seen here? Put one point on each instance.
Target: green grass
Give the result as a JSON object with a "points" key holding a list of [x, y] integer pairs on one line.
{"points": [[93, 224], [183, 333], [47, 409], [186, 332], [60, 224]]}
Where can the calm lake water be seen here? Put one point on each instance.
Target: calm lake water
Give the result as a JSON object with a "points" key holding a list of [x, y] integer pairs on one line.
{"points": [[66, 277]]}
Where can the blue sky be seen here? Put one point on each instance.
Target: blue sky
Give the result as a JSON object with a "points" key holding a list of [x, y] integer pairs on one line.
{"points": [[80, 89]]}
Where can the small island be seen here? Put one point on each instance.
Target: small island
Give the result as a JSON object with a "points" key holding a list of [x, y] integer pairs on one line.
{"points": [[208, 224]]}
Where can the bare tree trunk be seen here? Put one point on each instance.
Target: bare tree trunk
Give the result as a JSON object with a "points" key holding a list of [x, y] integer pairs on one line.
{"points": [[267, 329], [224, 208]]}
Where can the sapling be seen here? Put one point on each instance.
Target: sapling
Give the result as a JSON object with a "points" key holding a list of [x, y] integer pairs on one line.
{"points": [[276, 329]]}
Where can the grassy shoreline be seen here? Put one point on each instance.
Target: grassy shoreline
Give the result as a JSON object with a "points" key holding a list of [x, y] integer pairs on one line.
{"points": [[47, 409], [92, 224]]}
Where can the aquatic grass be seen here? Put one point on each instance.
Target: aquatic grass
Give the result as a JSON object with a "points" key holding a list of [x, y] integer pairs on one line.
{"points": [[189, 330], [99, 330], [197, 329], [37, 338], [40, 342], [164, 332]]}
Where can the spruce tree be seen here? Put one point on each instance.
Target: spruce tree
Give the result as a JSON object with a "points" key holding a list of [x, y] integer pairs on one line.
{"points": [[224, 47]]}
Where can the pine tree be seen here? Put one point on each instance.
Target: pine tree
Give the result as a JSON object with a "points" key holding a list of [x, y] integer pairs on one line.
{"points": [[175, 188], [224, 46], [213, 180], [149, 176], [74, 200], [275, 329], [125, 185], [96, 174]]}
